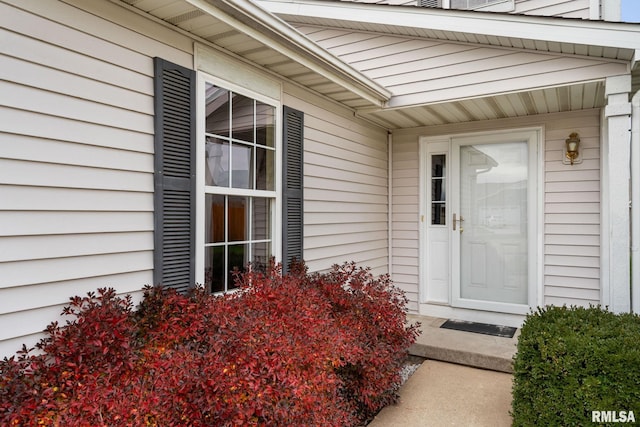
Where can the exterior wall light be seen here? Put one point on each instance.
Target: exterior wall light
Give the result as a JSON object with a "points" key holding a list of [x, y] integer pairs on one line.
{"points": [[572, 146]]}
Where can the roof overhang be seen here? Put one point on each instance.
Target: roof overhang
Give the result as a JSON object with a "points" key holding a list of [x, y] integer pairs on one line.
{"points": [[606, 41], [245, 30], [611, 40]]}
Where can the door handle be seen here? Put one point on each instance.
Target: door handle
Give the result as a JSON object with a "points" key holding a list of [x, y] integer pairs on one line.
{"points": [[456, 220]]}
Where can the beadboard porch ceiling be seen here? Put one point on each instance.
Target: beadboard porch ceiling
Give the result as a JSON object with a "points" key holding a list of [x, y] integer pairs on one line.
{"points": [[343, 28]]}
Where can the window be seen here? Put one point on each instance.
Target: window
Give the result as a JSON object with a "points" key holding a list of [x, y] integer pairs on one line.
{"points": [[239, 184], [221, 198]]}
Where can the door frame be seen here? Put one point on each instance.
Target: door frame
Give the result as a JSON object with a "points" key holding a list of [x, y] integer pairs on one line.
{"points": [[453, 304]]}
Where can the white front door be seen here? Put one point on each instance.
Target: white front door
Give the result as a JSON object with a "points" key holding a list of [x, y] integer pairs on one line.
{"points": [[490, 223]]}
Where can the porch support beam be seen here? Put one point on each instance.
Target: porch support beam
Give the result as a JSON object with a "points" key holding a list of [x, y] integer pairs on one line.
{"points": [[615, 188]]}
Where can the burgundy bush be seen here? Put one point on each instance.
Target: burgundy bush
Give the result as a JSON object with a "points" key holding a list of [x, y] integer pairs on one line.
{"points": [[300, 349]]}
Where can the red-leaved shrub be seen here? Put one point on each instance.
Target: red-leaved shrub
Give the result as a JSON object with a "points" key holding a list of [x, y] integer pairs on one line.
{"points": [[300, 349]]}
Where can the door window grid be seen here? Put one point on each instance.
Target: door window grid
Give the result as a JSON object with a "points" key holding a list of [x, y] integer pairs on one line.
{"points": [[438, 190]]}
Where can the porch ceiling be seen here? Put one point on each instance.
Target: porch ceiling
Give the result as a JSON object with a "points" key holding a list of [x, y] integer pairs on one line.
{"points": [[247, 31], [346, 25], [551, 100], [610, 40]]}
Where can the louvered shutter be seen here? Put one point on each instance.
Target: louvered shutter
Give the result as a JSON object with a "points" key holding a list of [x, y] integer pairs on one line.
{"points": [[174, 204], [292, 224]]}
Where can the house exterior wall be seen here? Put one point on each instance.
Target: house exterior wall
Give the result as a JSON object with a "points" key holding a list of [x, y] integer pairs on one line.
{"points": [[345, 186], [565, 9], [419, 71], [77, 164], [571, 207]]}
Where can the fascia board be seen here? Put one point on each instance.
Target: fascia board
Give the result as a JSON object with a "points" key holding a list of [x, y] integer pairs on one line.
{"points": [[548, 29], [270, 30]]}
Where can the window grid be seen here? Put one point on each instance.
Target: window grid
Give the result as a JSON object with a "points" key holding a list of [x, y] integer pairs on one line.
{"points": [[255, 212]]}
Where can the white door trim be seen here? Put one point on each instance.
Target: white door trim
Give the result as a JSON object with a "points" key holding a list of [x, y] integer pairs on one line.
{"points": [[536, 227]]}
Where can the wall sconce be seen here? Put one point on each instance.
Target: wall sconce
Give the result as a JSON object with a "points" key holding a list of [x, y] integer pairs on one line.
{"points": [[572, 147]]}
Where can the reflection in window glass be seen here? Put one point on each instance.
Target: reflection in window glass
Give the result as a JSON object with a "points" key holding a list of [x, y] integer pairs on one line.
{"points": [[217, 162], [214, 268], [217, 110], [240, 158], [239, 128], [238, 212], [261, 221], [265, 169], [242, 120], [215, 226], [265, 123], [438, 190]]}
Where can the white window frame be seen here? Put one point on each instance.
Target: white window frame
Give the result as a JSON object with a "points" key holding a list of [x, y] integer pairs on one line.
{"points": [[202, 189]]}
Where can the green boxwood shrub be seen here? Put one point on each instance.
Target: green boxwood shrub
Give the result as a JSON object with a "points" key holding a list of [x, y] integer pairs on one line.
{"points": [[572, 361]]}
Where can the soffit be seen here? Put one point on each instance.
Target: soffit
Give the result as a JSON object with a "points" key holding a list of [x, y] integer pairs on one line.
{"points": [[249, 32], [346, 38], [520, 104], [546, 34]]}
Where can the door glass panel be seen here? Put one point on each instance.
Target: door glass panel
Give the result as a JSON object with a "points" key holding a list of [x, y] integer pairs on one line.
{"points": [[493, 235], [438, 193]]}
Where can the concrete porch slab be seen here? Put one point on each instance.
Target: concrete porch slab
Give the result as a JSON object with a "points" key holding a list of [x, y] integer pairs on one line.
{"points": [[463, 348]]}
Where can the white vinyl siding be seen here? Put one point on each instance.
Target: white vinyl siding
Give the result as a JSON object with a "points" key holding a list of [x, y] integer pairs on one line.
{"points": [[345, 186], [563, 8], [571, 210], [422, 71], [572, 214], [76, 156]]}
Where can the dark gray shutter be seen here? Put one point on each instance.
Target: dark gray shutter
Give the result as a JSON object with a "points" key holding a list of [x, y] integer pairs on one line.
{"points": [[292, 204], [174, 200]]}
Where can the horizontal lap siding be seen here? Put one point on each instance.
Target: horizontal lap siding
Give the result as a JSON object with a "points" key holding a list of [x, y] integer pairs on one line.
{"points": [[571, 206], [405, 215], [345, 186], [76, 156], [565, 8], [572, 214], [421, 71]]}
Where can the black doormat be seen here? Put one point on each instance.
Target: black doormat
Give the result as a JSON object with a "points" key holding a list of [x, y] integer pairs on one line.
{"points": [[480, 328]]}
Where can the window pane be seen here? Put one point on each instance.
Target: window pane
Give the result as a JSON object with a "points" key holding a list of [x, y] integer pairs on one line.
{"points": [[438, 214], [217, 162], [438, 190], [265, 168], [261, 224], [238, 259], [242, 118], [215, 225], [242, 174], [217, 107], [265, 124], [261, 255], [438, 166], [238, 213], [214, 269]]}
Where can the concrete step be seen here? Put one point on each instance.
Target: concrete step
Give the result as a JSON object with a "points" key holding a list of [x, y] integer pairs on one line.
{"points": [[463, 348]]}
